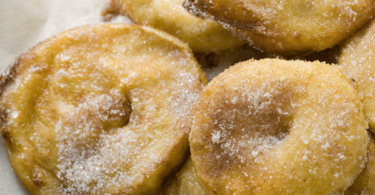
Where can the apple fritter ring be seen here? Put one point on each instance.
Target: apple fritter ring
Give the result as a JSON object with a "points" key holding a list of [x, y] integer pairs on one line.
{"points": [[278, 127], [168, 15], [365, 182], [289, 27], [101, 109], [357, 61]]}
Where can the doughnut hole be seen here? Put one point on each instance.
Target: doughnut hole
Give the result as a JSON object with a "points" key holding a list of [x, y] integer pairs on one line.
{"points": [[278, 127], [82, 131], [249, 124]]}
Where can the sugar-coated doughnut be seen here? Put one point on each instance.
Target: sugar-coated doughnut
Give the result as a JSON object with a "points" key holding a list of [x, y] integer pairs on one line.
{"points": [[357, 61], [288, 27], [169, 15], [365, 182], [278, 127], [101, 109]]}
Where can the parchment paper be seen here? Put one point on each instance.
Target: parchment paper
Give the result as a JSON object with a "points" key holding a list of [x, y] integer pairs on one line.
{"points": [[23, 24]]}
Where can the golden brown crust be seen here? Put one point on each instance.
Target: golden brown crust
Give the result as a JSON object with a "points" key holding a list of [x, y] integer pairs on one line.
{"points": [[56, 86], [7, 79], [201, 35], [287, 27], [364, 183], [358, 64], [185, 182], [278, 127], [115, 7]]}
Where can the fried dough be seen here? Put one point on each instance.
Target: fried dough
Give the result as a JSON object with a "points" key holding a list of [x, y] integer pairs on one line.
{"points": [[357, 61], [365, 182], [101, 109], [289, 27], [186, 182], [278, 127], [169, 15]]}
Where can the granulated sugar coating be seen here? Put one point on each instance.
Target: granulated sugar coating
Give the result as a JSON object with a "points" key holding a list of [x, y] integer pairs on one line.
{"points": [[287, 27], [364, 183], [102, 109], [278, 127], [357, 60], [169, 15]]}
